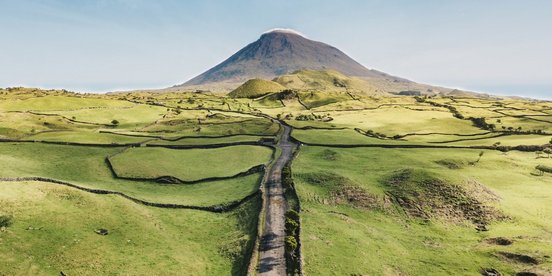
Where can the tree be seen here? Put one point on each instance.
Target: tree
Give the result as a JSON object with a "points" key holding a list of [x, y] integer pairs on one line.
{"points": [[115, 122]]}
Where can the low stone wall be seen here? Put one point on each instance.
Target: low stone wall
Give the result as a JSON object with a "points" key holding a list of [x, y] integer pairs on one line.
{"points": [[214, 208], [169, 179], [181, 137], [113, 145], [208, 146], [526, 148]]}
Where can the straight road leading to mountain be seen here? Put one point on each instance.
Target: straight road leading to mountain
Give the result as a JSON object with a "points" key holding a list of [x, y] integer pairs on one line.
{"points": [[272, 251]]}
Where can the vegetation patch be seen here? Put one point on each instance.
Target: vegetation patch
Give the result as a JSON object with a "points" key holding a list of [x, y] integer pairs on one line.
{"points": [[499, 241], [526, 273], [342, 190], [544, 169], [424, 196], [5, 221], [329, 155], [520, 258], [451, 163], [292, 242]]}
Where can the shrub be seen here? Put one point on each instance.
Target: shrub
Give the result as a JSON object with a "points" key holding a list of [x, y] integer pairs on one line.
{"points": [[291, 227], [292, 214], [287, 181], [115, 122], [291, 244], [5, 221], [481, 123], [544, 168]]}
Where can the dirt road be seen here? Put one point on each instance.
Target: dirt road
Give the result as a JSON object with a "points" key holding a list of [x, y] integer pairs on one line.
{"points": [[272, 258]]}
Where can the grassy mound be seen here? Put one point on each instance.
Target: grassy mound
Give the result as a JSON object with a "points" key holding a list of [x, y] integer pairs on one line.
{"points": [[424, 196], [255, 88], [324, 80]]}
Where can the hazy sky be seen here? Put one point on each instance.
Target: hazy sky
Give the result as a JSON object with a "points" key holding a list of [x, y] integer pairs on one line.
{"points": [[503, 47]]}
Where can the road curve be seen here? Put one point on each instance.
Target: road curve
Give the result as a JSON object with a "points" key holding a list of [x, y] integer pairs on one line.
{"points": [[272, 249]]}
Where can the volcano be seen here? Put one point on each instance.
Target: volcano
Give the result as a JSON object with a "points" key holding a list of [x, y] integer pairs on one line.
{"points": [[279, 52]]}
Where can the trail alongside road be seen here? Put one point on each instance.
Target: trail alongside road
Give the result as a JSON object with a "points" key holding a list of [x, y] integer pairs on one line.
{"points": [[272, 250]]}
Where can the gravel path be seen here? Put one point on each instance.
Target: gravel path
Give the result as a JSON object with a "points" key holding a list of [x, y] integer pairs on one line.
{"points": [[272, 251]]}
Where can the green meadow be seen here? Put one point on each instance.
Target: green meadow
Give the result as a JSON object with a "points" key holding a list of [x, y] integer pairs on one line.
{"points": [[388, 185], [146, 162]]}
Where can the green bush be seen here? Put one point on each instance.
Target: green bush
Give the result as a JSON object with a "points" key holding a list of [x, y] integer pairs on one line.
{"points": [[544, 168], [5, 221], [292, 214], [291, 227], [287, 181], [291, 244]]}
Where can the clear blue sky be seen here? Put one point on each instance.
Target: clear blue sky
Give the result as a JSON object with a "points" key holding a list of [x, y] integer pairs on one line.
{"points": [[503, 47]]}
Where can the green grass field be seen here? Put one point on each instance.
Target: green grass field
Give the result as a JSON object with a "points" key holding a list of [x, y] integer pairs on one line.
{"points": [[53, 231], [91, 170], [365, 210], [344, 237], [85, 137], [188, 164]]}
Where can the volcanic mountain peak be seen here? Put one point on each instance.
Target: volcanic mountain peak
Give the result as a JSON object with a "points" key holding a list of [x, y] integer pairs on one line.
{"points": [[278, 52]]}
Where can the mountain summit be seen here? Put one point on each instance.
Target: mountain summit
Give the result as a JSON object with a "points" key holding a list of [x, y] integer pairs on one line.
{"points": [[278, 52]]}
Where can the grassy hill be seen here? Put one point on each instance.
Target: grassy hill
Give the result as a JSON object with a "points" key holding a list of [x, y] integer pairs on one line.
{"points": [[326, 81], [255, 88]]}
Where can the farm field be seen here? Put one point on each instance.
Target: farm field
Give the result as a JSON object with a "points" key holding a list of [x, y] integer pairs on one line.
{"points": [[156, 162], [53, 232], [387, 185], [352, 209]]}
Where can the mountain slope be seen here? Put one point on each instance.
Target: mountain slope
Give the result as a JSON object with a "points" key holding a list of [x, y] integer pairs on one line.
{"points": [[277, 53], [326, 81]]}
